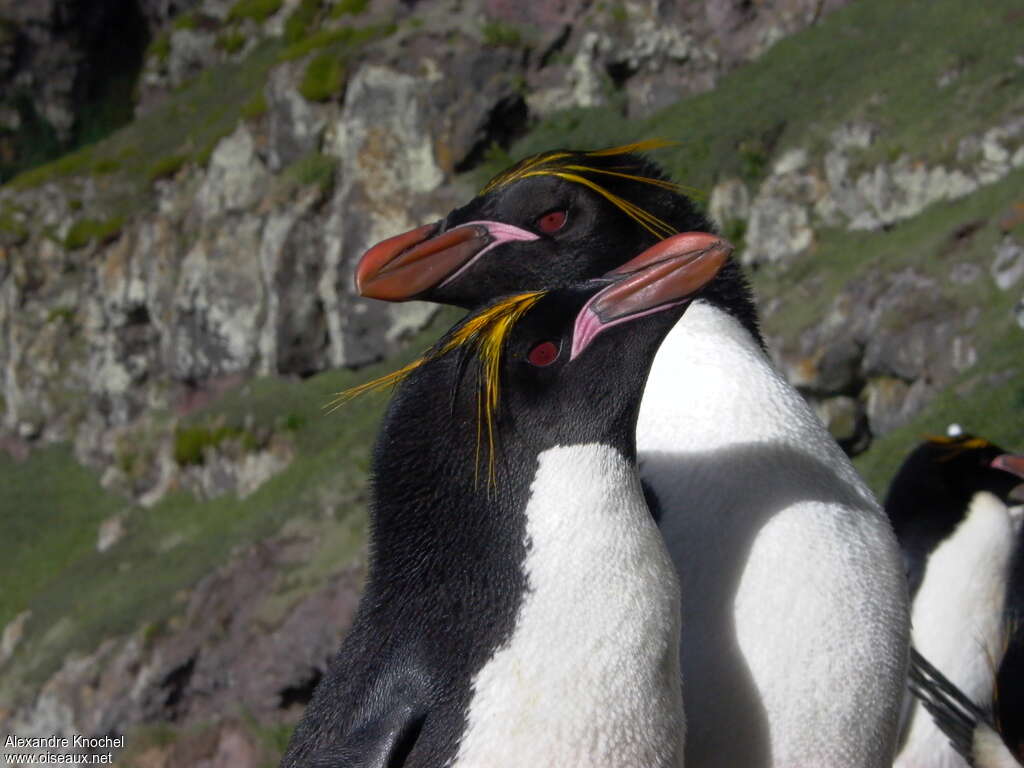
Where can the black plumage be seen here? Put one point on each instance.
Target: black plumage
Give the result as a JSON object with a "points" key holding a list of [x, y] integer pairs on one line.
{"points": [[616, 204], [932, 490], [447, 531]]}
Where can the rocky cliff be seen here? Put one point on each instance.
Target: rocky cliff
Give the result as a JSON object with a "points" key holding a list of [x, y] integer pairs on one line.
{"points": [[185, 524]]}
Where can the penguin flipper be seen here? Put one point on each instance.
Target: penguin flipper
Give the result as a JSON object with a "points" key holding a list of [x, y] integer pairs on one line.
{"points": [[384, 742], [966, 725]]}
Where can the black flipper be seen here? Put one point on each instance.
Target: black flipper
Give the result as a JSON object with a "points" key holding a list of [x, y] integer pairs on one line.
{"points": [[370, 723], [956, 715], [968, 727], [382, 743]]}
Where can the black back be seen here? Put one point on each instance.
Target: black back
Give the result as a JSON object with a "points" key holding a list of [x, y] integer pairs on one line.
{"points": [[597, 235], [448, 539]]}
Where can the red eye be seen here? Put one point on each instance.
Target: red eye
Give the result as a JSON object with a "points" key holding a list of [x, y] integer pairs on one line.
{"points": [[551, 222], [543, 354]]}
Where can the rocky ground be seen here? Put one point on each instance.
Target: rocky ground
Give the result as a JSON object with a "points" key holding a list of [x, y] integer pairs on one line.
{"points": [[176, 302]]}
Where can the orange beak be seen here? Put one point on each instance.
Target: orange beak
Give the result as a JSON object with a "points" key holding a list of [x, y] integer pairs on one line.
{"points": [[404, 266], [663, 276]]}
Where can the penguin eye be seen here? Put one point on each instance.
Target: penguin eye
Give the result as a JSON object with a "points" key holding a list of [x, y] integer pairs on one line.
{"points": [[543, 354], [552, 221]]}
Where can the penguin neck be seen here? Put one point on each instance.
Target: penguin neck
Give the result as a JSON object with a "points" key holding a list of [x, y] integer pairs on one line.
{"points": [[714, 394], [920, 534], [713, 372], [436, 505]]}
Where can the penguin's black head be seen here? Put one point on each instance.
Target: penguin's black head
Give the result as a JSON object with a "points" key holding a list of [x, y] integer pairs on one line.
{"points": [[934, 488], [963, 465], [575, 365], [550, 221], [558, 367]]}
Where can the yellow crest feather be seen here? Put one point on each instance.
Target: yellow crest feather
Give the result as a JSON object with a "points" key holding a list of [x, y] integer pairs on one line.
{"points": [[957, 445], [484, 333], [552, 164]]}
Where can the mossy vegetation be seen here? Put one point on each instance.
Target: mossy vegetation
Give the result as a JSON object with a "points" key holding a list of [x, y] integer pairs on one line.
{"points": [[160, 47], [71, 164], [188, 20], [255, 107], [255, 10], [231, 40], [312, 169], [13, 230], [293, 422], [274, 738], [324, 77], [497, 33], [194, 118], [85, 231], [341, 39], [106, 165], [754, 160], [166, 167], [188, 125], [921, 243], [349, 8], [61, 314], [191, 443], [301, 20]]}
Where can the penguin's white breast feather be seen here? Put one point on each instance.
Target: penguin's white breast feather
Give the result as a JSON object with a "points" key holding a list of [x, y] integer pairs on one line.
{"points": [[958, 619], [590, 675], [795, 607]]}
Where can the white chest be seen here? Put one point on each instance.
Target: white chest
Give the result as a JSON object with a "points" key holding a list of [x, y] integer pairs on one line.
{"points": [[590, 676], [794, 610], [958, 618]]}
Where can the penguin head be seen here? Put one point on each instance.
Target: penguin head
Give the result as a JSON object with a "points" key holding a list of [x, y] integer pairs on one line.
{"points": [[550, 221], [560, 366], [964, 465], [575, 365], [933, 490]]}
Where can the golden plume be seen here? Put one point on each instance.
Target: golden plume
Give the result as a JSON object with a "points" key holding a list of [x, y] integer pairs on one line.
{"points": [[484, 333], [571, 166], [957, 445]]}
